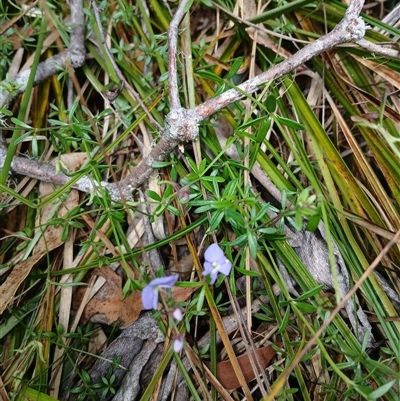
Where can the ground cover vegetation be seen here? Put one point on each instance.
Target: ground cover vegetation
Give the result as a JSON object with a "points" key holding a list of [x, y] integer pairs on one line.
{"points": [[172, 228]]}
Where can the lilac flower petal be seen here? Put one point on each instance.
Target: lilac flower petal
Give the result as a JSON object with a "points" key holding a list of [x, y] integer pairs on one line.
{"points": [[207, 268], [177, 314], [149, 297], [221, 260], [213, 253], [213, 275], [165, 282], [225, 268], [215, 262], [178, 343], [150, 292]]}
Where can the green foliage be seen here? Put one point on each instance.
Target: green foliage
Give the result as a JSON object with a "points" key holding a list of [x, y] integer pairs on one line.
{"points": [[93, 390]]}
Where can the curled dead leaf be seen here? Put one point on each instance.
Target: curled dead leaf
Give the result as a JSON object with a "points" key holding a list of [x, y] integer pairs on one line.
{"points": [[226, 374]]}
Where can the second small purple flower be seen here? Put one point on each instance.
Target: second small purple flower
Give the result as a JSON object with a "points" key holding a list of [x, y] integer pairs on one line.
{"points": [[150, 292], [215, 262]]}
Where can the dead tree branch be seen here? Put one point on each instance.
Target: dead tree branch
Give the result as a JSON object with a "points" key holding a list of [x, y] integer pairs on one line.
{"points": [[181, 125]]}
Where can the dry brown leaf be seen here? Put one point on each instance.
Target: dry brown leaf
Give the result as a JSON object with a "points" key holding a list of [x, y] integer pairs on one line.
{"points": [[180, 294], [51, 236], [132, 306], [107, 305], [226, 375]]}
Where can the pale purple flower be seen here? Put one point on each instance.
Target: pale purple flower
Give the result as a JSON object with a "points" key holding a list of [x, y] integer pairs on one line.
{"points": [[177, 343], [177, 314], [215, 262], [150, 292]]}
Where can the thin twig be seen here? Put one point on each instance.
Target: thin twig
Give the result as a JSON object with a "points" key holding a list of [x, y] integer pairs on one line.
{"points": [[379, 49], [172, 55]]}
